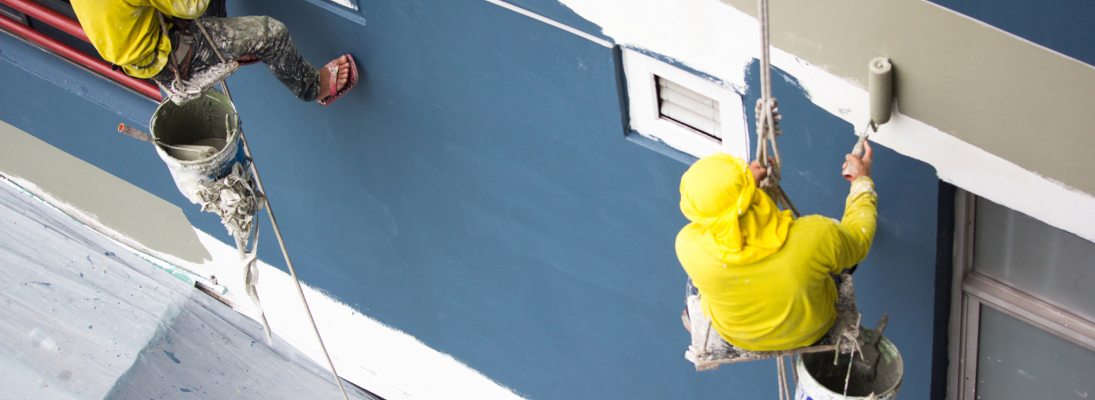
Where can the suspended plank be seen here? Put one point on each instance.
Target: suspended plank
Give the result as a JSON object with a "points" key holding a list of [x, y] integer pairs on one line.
{"points": [[709, 350]]}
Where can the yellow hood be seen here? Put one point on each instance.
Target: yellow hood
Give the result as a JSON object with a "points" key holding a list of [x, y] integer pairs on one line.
{"points": [[740, 224]]}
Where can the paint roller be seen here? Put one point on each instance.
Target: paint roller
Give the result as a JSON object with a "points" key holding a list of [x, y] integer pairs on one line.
{"points": [[880, 88]]}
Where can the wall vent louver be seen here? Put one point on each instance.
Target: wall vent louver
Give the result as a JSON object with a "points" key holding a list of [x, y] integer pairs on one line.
{"points": [[687, 116], [688, 108]]}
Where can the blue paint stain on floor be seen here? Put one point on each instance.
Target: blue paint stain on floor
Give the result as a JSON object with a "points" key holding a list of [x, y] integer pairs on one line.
{"points": [[172, 356]]}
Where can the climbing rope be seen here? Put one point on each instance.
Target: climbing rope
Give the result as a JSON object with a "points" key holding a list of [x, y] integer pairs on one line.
{"points": [[249, 258], [182, 90], [767, 116], [784, 390]]}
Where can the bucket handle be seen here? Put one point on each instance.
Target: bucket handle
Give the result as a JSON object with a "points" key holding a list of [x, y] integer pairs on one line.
{"points": [[137, 134], [228, 124]]}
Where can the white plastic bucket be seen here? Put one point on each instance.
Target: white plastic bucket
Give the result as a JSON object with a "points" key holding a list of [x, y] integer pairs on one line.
{"points": [[819, 379], [210, 118]]}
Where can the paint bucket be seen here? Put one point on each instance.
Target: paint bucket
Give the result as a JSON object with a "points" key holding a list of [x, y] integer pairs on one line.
{"points": [[819, 379], [198, 140]]}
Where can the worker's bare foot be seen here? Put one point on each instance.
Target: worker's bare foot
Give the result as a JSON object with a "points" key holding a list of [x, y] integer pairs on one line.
{"points": [[342, 66], [247, 59]]}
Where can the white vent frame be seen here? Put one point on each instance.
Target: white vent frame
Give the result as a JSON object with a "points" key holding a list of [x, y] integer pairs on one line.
{"points": [[639, 71]]}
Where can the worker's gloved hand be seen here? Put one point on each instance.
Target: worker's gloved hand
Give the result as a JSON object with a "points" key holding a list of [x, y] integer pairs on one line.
{"points": [[855, 166], [759, 172]]}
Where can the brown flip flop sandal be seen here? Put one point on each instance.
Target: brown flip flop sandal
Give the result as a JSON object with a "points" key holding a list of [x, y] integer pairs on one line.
{"points": [[332, 67]]}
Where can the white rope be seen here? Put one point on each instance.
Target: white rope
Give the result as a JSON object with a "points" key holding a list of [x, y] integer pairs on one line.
{"points": [[784, 391], [767, 119], [274, 222]]}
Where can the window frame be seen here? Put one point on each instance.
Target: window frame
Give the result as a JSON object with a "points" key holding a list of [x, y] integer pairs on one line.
{"points": [[353, 14], [354, 5], [970, 290], [645, 119]]}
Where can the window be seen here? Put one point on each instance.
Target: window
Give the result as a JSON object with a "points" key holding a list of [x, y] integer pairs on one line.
{"points": [[348, 9], [351, 4], [1023, 312], [684, 111]]}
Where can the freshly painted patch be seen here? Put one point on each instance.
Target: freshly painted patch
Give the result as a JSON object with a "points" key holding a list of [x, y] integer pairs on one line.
{"points": [[116, 205]]}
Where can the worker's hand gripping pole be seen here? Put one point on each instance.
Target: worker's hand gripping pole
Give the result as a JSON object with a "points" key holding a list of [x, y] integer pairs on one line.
{"points": [[880, 90]]}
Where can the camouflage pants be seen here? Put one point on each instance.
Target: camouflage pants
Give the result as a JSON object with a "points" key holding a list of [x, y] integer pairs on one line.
{"points": [[236, 37]]}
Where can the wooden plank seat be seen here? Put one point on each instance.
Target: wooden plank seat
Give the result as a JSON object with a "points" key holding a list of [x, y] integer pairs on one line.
{"points": [[709, 350]]}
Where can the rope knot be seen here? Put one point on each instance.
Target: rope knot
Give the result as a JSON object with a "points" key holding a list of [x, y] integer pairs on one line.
{"points": [[762, 109]]}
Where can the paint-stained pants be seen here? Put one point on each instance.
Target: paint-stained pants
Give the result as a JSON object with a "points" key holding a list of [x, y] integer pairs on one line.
{"points": [[236, 37]]}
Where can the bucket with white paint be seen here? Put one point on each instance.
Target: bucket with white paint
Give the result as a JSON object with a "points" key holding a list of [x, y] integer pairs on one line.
{"points": [[198, 140], [819, 379]]}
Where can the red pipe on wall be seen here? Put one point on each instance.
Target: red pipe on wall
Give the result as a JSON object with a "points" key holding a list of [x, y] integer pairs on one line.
{"points": [[144, 87], [47, 15]]}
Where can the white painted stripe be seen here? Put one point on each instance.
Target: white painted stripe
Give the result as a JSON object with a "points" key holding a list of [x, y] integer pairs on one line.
{"points": [[551, 22], [374, 356]]}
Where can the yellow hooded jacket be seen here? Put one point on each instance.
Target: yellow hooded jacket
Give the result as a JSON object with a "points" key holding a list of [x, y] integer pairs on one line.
{"points": [[127, 32], [763, 277]]}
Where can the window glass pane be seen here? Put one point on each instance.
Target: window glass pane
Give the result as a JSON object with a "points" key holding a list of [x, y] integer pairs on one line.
{"points": [[351, 4], [1016, 360], [1044, 261]]}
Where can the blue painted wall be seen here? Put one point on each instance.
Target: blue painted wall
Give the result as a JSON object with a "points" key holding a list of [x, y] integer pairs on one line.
{"points": [[476, 191]]}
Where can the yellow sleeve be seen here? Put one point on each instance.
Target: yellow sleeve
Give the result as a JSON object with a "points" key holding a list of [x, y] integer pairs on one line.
{"points": [[126, 33], [855, 232], [186, 9]]}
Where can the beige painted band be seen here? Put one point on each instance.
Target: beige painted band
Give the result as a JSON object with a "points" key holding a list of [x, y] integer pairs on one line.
{"points": [[1015, 99]]}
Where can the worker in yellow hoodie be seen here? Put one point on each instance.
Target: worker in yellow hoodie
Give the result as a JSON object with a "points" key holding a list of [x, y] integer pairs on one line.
{"points": [[763, 277], [128, 34]]}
